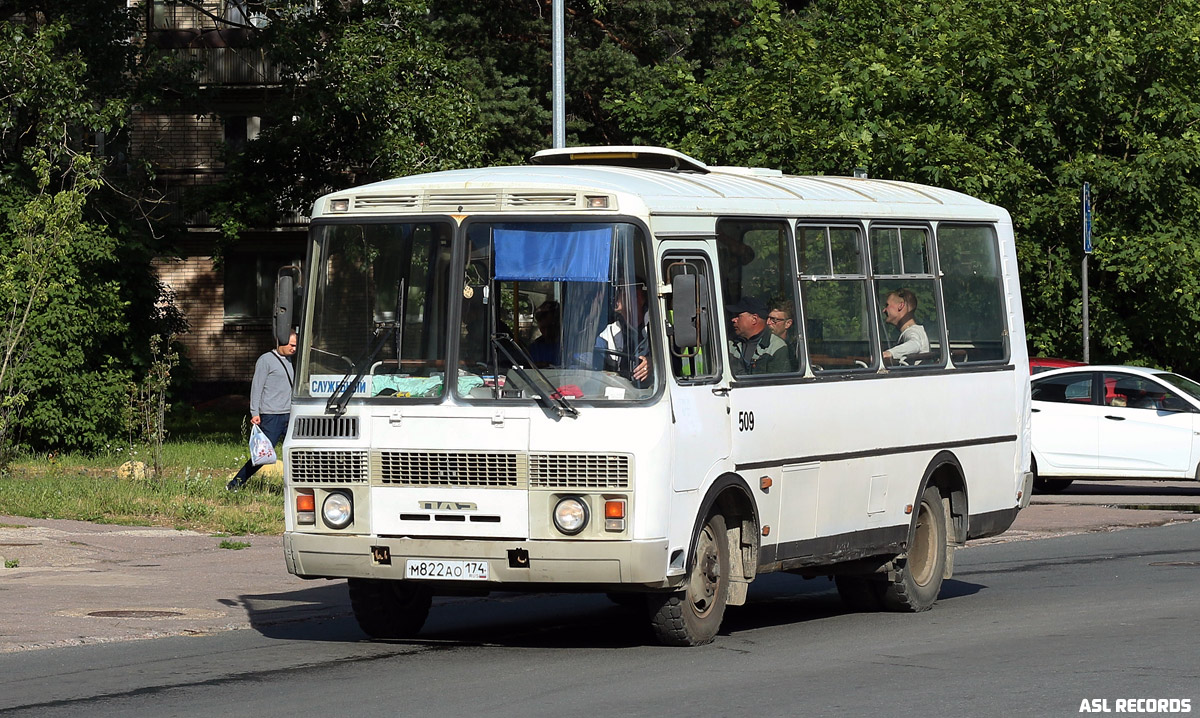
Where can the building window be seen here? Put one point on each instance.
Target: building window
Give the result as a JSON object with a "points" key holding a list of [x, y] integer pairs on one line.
{"points": [[250, 285]]}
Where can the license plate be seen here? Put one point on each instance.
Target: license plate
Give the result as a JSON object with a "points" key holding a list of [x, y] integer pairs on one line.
{"points": [[447, 570]]}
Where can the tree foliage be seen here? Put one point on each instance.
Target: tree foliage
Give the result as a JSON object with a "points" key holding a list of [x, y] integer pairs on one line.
{"points": [[367, 94], [74, 287], [1014, 103]]}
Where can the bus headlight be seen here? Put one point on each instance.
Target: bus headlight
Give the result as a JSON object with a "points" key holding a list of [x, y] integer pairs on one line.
{"points": [[571, 515], [337, 511]]}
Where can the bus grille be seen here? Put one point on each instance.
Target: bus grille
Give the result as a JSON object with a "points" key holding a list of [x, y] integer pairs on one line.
{"points": [[452, 468], [326, 427], [579, 471], [328, 466]]}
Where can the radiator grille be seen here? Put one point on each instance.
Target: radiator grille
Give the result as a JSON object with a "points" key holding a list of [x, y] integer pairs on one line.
{"points": [[326, 427], [328, 466], [579, 471], [452, 468]]}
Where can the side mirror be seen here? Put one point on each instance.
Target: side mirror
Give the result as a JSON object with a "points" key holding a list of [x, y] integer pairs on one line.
{"points": [[285, 303], [685, 310], [1175, 403]]}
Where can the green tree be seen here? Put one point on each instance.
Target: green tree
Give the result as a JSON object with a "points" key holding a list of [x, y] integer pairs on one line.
{"points": [[74, 284], [367, 94], [1014, 103], [610, 46]]}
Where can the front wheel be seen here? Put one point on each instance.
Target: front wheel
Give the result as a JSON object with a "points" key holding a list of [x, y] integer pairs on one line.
{"points": [[388, 609], [691, 617], [917, 576]]}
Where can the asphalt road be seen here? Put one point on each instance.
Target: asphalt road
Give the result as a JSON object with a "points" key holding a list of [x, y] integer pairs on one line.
{"points": [[1026, 628]]}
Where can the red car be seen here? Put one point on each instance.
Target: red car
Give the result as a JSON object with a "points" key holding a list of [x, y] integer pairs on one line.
{"points": [[1040, 364]]}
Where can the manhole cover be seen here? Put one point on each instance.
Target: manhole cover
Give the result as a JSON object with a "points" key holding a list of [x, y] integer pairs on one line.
{"points": [[134, 614], [1176, 563]]}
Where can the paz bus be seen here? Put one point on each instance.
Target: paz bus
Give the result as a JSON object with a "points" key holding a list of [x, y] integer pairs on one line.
{"points": [[620, 370]]}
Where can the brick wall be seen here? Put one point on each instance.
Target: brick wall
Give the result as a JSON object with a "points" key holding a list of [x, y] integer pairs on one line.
{"points": [[179, 141], [218, 353]]}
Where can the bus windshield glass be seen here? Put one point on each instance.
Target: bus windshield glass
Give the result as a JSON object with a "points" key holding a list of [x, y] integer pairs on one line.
{"points": [[557, 310], [380, 296]]}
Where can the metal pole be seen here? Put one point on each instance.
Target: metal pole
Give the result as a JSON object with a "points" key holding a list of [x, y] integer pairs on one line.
{"points": [[557, 91], [1086, 352], [1085, 206]]}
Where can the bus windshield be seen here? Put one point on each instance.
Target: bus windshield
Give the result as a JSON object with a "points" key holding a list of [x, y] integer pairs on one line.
{"points": [[379, 300], [555, 309]]}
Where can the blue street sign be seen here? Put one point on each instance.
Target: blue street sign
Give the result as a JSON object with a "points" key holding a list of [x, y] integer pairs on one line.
{"points": [[1087, 218]]}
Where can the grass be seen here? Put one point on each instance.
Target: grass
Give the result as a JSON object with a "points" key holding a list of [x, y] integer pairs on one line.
{"points": [[233, 545], [12, 563], [201, 454]]}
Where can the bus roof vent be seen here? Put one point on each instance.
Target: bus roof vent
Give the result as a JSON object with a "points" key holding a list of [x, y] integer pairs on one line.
{"points": [[652, 158]]}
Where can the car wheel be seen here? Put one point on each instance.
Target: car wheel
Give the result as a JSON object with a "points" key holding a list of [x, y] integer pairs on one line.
{"points": [[1050, 486]]}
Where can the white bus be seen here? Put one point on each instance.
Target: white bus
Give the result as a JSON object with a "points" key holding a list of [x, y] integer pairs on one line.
{"points": [[619, 370]]}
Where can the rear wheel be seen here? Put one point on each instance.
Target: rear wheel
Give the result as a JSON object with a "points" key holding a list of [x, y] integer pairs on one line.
{"points": [[917, 576], [1050, 486], [389, 609], [692, 616]]}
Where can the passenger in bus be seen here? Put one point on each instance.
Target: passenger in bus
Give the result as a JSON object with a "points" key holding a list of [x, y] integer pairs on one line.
{"points": [[624, 345], [780, 322], [546, 347], [755, 349], [899, 311]]}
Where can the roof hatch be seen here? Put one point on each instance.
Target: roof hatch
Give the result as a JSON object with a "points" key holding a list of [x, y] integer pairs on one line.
{"points": [[653, 158]]}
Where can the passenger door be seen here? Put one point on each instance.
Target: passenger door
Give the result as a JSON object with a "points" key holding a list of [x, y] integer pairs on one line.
{"points": [[1065, 424], [1137, 437], [699, 396]]}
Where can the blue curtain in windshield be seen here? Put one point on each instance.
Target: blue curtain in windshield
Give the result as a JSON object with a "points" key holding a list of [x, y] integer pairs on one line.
{"points": [[553, 252]]}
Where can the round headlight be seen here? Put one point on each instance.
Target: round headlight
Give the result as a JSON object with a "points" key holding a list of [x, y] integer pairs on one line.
{"points": [[571, 515], [337, 511]]}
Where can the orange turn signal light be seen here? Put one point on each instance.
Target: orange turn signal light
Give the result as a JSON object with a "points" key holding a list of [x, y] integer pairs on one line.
{"points": [[306, 502], [614, 509]]}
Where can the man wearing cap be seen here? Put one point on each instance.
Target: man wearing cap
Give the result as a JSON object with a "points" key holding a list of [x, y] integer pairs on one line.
{"points": [[755, 349]]}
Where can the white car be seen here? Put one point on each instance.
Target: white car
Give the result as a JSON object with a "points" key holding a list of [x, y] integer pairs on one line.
{"points": [[1114, 422]]}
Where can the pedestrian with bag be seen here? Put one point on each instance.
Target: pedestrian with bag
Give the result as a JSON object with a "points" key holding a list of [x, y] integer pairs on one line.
{"points": [[270, 403]]}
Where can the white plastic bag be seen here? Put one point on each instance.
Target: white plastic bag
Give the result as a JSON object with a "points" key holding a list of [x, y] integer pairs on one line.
{"points": [[261, 450]]}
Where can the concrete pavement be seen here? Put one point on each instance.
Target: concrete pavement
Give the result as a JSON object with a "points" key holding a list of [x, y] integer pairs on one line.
{"points": [[78, 582]]}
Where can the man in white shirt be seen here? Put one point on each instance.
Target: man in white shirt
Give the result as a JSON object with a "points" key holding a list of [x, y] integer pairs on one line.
{"points": [[898, 311]]}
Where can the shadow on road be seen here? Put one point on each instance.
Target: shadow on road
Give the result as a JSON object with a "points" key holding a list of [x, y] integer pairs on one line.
{"points": [[568, 621]]}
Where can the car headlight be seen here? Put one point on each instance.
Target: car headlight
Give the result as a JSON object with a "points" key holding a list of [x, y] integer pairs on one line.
{"points": [[571, 515], [337, 511]]}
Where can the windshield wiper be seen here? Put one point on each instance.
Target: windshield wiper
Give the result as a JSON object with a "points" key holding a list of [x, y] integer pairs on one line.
{"points": [[338, 401], [560, 404]]}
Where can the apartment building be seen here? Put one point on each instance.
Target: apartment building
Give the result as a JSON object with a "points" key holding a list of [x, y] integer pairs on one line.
{"points": [[227, 304]]}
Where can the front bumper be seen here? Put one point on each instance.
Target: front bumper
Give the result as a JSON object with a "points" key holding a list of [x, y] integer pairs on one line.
{"points": [[551, 563]]}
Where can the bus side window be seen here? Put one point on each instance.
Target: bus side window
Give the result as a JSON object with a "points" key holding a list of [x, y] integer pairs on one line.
{"points": [[699, 361], [833, 291], [903, 275], [974, 293], [755, 263]]}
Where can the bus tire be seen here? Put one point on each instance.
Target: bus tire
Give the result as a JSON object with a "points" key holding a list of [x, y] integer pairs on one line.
{"points": [[389, 609], [863, 594], [691, 617], [916, 578]]}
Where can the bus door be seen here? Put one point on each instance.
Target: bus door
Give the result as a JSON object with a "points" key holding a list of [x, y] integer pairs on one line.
{"points": [[699, 395]]}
